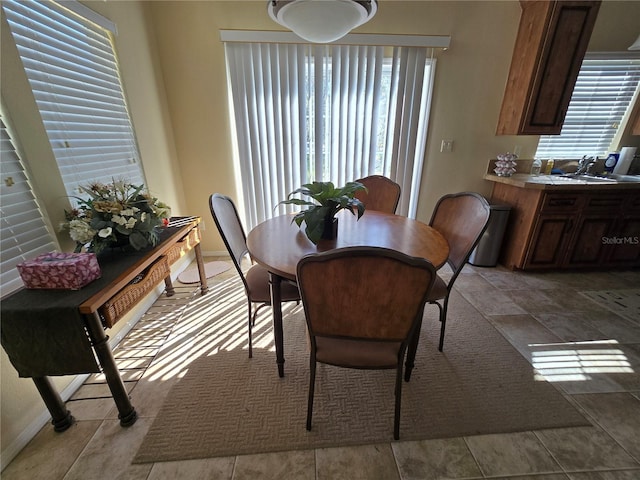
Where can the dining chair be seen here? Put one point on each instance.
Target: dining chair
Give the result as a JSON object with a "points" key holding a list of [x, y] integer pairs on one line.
{"points": [[363, 324], [461, 218], [256, 278], [382, 195]]}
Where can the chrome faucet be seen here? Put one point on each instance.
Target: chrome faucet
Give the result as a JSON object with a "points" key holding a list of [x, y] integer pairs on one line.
{"points": [[584, 165]]}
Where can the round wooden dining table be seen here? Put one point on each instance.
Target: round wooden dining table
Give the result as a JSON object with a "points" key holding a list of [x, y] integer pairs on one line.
{"points": [[278, 244]]}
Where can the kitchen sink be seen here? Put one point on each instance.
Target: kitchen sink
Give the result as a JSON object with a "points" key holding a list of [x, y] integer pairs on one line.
{"points": [[625, 178], [612, 178], [587, 178]]}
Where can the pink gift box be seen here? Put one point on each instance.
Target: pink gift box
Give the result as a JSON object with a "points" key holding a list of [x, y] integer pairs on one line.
{"points": [[68, 271]]}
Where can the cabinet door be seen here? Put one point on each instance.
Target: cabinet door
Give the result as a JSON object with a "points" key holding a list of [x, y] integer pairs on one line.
{"points": [[626, 249], [588, 247], [615, 229], [635, 129], [623, 243], [551, 43], [549, 241], [564, 48]]}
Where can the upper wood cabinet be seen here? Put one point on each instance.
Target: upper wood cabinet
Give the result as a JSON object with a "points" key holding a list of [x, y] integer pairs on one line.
{"points": [[551, 43], [635, 128]]}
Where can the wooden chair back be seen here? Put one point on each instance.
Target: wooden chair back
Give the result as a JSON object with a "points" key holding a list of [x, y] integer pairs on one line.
{"points": [[363, 293], [383, 193], [461, 218], [230, 228]]}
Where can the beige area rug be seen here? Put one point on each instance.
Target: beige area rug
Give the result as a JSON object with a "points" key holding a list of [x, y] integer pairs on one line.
{"points": [[228, 404], [211, 269], [625, 303]]}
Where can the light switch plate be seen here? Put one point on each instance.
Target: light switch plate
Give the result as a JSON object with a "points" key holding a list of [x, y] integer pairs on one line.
{"points": [[446, 146]]}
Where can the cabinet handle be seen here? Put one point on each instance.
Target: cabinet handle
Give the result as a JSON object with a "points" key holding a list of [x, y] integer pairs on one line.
{"points": [[562, 203], [605, 203]]}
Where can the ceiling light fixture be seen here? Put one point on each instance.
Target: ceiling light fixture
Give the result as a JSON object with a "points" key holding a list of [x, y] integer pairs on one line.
{"points": [[321, 21]]}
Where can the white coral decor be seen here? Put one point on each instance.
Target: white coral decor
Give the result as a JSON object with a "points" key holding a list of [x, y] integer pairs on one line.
{"points": [[505, 164]]}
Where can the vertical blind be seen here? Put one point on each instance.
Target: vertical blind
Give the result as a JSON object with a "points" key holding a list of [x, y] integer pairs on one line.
{"points": [[603, 93], [72, 69], [24, 233], [326, 113]]}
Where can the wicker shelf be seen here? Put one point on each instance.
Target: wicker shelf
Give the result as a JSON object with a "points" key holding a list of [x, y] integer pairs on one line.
{"points": [[126, 299]]}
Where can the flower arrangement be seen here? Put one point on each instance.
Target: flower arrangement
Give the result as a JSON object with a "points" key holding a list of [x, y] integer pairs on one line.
{"points": [[116, 214]]}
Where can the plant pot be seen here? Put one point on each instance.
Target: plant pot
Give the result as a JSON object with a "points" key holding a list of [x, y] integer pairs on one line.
{"points": [[330, 230], [121, 243]]}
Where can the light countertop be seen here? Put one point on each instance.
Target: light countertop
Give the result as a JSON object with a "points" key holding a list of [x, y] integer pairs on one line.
{"points": [[557, 182]]}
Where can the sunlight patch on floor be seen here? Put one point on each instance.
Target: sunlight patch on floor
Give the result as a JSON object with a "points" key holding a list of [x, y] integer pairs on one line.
{"points": [[215, 322], [579, 361]]}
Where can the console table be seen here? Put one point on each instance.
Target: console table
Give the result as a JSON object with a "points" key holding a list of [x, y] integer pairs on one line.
{"points": [[61, 332]]}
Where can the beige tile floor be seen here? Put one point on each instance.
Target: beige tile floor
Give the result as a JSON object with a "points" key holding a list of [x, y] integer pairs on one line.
{"points": [[532, 311]]}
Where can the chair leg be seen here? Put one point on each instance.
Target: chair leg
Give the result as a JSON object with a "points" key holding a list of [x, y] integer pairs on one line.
{"points": [[396, 418], [250, 322], [413, 348], [443, 320], [312, 383], [255, 314]]}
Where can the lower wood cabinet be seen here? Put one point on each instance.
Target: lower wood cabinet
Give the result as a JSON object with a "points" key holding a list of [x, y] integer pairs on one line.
{"points": [[587, 247], [625, 246], [549, 242], [570, 229]]}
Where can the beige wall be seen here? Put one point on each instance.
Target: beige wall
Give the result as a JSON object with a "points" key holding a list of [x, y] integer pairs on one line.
{"points": [[20, 403], [616, 28], [172, 63], [147, 100], [470, 78]]}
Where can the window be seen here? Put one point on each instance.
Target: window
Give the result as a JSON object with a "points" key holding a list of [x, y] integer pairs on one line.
{"points": [[318, 143], [71, 65], [24, 232], [327, 113], [603, 93]]}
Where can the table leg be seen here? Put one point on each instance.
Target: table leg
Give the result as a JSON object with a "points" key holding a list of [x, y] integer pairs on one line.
{"points": [[204, 288], [276, 306], [61, 418], [126, 413], [168, 286]]}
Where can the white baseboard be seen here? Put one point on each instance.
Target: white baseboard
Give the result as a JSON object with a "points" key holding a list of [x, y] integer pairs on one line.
{"points": [[21, 441], [220, 253]]}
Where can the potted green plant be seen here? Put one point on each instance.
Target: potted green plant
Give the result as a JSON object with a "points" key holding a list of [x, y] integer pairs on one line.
{"points": [[320, 216]]}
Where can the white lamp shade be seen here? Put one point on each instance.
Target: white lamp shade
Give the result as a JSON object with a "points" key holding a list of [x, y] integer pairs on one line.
{"points": [[321, 21], [636, 44]]}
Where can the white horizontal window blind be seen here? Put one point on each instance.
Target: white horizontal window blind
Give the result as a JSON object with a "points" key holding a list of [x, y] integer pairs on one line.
{"points": [[72, 69], [24, 234], [604, 90]]}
